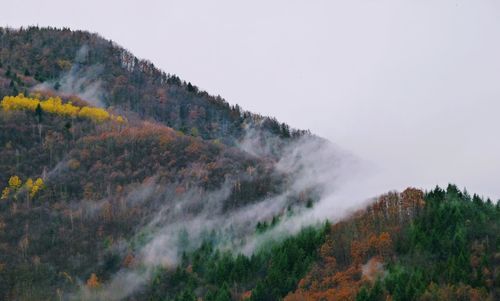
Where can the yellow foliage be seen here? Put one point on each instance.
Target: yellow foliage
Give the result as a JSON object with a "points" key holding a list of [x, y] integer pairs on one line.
{"points": [[39, 182], [5, 193], [32, 187], [54, 105], [37, 186], [74, 164], [18, 103], [96, 114], [15, 182], [119, 119], [28, 184], [64, 64], [34, 190]]}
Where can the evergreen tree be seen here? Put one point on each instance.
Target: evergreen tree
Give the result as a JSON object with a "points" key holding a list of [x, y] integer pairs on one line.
{"points": [[223, 293], [39, 113]]}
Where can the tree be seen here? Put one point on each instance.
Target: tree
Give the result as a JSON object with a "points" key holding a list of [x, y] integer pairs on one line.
{"points": [[195, 132], [223, 294], [28, 185], [93, 281], [39, 112], [55, 105], [285, 130], [37, 186], [15, 183], [192, 88], [5, 193], [363, 295]]}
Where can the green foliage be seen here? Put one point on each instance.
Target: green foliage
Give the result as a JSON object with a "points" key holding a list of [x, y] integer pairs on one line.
{"points": [[270, 273], [448, 247], [83, 212], [450, 250]]}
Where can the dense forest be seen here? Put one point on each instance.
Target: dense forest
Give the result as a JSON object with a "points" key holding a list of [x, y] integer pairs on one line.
{"points": [[439, 245], [119, 181], [78, 63]]}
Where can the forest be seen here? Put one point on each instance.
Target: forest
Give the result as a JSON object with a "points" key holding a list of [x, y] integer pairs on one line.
{"points": [[54, 57], [122, 182], [407, 246]]}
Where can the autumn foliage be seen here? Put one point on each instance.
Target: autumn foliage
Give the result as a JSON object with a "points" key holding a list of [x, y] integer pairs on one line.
{"points": [[54, 105], [92, 182], [93, 281], [357, 248], [16, 185]]}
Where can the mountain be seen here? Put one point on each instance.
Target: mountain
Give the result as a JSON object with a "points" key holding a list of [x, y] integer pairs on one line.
{"points": [[93, 173], [122, 182], [84, 64]]}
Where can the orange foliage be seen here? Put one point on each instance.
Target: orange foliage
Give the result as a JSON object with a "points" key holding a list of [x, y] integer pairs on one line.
{"points": [[246, 295], [180, 190], [128, 260], [93, 281], [363, 238]]}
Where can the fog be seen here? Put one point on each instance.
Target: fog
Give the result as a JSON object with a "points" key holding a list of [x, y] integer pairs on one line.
{"points": [[184, 222], [84, 83], [410, 86]]}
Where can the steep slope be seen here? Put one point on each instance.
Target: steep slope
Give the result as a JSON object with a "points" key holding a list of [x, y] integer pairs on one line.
{"points": [[121, 182], [441, 245], [104, 190], [105, 179], [84, 64], [85, 189]]}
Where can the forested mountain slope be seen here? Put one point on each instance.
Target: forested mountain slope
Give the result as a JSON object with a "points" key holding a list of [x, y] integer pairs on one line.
{"points": [[106, 160], [107, 178], [81, 63], [441, 245], [121, 182]]}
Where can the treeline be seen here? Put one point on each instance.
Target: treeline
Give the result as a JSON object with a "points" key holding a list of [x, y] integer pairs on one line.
{"points": [[97, 183], [56, 106], [94, 184], [34, 55], [441, 245], [450, 252], [214, 275], [98, 160]]}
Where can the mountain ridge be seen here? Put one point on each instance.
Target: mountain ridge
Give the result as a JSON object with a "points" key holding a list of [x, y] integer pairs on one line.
{"points": [[185, 197], [130, 83]]}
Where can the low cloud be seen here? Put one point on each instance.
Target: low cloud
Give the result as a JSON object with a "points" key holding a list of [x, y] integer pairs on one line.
{"points": [[80, 80], [184, 221]]}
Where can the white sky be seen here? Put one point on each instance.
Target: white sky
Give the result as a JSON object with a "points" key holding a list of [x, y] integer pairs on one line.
{"points": [[412, 86]]}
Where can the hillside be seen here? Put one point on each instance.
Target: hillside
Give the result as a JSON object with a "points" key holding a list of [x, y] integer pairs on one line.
{"points": [[108, 178], [441, 245], [82, 64], [119, 181], [84, 188]]}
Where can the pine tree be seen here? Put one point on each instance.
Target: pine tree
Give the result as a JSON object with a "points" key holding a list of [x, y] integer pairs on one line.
{"points": [[223, 293], [363, 295], [39, 112]]}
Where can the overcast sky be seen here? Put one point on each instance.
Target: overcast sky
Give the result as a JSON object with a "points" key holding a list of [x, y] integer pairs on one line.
{"points": [[411, 86]]}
